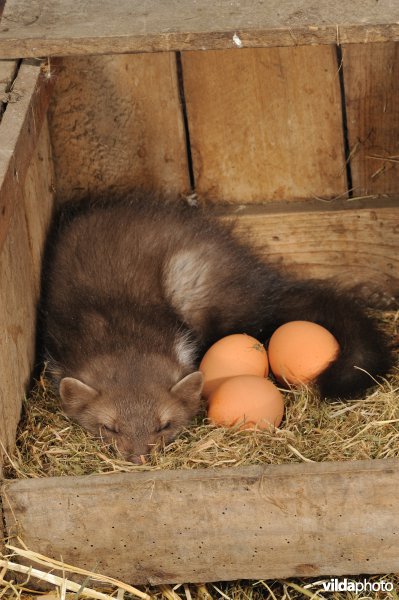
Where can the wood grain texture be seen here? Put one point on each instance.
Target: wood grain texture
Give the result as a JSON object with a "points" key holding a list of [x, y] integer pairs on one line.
{"points": [[61, 27], [260, 522], [19, 290], [19, 132], [371, 74], [116, 122], [38, 199], [25, 202], [265, 124], [17, 325], [355, 243]]}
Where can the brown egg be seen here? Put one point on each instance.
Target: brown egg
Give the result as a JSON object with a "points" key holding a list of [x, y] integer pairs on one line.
{"points": [[252, 400], [236, 354], [300, 350]]}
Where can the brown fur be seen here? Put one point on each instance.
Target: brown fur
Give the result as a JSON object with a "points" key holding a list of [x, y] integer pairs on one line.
{"points": [[136, 288]]}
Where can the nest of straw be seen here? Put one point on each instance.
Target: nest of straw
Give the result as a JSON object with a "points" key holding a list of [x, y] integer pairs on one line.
{"points": [[59, 574], [49, 444]]}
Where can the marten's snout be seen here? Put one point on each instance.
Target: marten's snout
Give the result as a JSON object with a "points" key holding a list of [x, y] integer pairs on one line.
{"points": [[137, 459], [137, 454]]}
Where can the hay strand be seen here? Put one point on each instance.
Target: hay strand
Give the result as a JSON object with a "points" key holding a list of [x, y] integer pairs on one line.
{"points": [[60, 582], [50, 445], [57, 565]]}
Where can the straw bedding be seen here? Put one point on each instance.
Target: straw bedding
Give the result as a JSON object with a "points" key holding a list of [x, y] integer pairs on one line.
{"points": [[49, 444]]}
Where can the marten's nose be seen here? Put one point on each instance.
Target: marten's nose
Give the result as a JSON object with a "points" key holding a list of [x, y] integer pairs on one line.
{"points": [[137, 459], [137, 454]]}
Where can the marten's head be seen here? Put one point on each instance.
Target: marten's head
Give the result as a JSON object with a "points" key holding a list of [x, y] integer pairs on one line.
{"points": [[132, 399]]}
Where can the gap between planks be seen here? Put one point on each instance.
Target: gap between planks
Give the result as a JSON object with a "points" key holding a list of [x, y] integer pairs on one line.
{"points": [[8, 72]]}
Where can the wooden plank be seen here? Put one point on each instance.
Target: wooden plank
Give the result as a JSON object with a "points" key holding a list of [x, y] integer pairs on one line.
{"points": [[59, 28], [355, 243], [371, 74], [17, 325], [265, 124], [260, 522], [116, 122], [38, 196], [8, 69], [25, 196], [19, 290], [19, 131]]}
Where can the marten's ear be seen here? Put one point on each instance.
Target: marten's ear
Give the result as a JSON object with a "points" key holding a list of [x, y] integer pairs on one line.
{"points": [[189, 388], [75, 395]]}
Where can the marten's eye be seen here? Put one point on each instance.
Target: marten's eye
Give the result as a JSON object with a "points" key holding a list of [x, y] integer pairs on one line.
{"points": [[164, 427], [109, 429]]}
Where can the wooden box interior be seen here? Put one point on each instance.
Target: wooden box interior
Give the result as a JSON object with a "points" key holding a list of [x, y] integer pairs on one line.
{"points": [[291, 124]]}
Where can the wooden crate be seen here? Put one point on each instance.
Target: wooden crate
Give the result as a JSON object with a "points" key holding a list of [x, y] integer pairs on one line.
{"points": [[290, 115]]}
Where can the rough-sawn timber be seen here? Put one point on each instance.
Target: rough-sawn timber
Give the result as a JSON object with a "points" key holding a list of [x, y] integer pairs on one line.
{"points": [[255, 522]]}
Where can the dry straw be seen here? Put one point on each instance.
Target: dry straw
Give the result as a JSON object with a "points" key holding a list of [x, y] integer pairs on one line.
{"points": [[56, 575], [49, 444]]}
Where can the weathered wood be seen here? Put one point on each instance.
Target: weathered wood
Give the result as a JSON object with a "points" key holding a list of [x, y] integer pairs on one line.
{"points": [[38, 198], [19, 286], [116, 122], [17, 325], [269, 521], [265, 124], [59, 27], [354, 242], [8, 69], [371, 74], [25, 200], [19, 132]]}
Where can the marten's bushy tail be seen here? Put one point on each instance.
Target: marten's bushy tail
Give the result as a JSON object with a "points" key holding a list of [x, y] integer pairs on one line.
{"points": [[365, 354], [242, 293]]}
